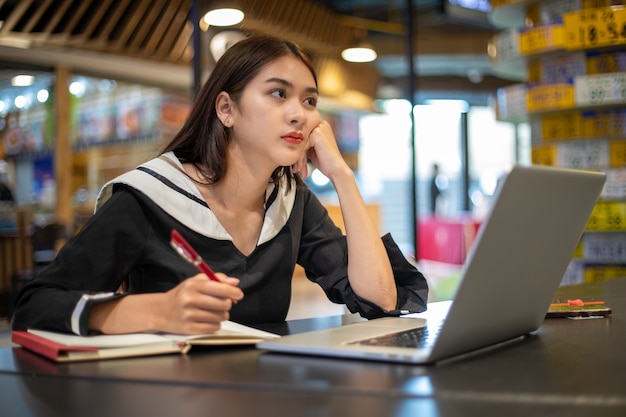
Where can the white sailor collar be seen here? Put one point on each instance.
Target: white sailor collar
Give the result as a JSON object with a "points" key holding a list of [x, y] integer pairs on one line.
{"points": [[165, 183]]}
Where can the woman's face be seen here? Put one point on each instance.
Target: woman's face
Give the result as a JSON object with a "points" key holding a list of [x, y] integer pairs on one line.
{"points": [[276, 114]]}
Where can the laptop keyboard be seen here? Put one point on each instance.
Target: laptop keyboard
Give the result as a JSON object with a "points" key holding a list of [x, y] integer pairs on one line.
{"points": [[413, 338]]}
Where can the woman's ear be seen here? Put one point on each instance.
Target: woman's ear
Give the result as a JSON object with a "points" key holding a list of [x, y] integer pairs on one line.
{"points": [[224, 107]]}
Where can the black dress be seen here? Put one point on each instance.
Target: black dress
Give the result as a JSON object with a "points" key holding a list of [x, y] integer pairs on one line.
{"points": [[128, 239]]}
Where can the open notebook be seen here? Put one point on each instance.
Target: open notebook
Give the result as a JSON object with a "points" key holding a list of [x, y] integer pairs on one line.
{"points": [[61, 347], [509, 278]]}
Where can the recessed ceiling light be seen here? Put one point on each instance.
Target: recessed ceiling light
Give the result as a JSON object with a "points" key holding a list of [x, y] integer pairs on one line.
{"points": [[223, 17], [359, 54], [43, 95], [22, 80], [20, 101]]}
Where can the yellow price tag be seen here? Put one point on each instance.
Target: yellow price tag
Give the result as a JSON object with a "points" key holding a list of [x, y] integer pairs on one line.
{"points": [[544, 155], [550, 96], [562, 126], [541, 39], [602, 273], [603, 63], [617, 153], [578, 252], [534, 72], [595, 27], [608, 216]]}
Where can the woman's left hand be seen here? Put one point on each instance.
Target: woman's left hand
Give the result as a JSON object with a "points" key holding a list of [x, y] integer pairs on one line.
{"points": [[324, 152]]}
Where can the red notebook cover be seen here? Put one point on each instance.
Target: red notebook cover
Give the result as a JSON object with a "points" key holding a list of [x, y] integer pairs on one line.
{"points": [[45, 347]]}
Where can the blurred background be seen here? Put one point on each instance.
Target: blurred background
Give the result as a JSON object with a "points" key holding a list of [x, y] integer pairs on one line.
{"points": [[91, 88]]}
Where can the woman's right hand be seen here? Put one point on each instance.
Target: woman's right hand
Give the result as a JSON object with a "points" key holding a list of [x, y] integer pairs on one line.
{"points": [[198, 305], [195, 306]]}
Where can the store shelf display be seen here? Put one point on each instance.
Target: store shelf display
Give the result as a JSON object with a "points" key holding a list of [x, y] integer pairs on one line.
{"points": [[573, 96]]}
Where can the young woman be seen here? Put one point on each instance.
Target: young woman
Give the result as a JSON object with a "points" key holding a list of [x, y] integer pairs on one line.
{"points": [[230, 183]]}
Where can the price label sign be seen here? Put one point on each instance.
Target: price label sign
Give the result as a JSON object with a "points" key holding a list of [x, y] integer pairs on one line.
{"points": [[544, 155], [608, 216], [541, 38], [506, 45], [600, 89], [551, 96], [595, 27], [615, 186], [602, 273], [615, 216], [592, 154], [618, 153], [604, 247], [561, 126]]}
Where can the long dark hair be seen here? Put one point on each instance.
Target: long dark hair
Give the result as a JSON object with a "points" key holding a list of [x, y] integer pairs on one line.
{"points": [[203, 139]]}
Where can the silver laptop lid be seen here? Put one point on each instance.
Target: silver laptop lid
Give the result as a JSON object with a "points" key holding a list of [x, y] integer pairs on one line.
{"points": [[521, 252], [514, 267]]}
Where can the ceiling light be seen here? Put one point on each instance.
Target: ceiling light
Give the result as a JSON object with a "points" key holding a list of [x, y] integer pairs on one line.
{"points": [[43, 95], [22, 80], [361, 53], [223, 40], [20, 101], [77, 88], [223, 17]]}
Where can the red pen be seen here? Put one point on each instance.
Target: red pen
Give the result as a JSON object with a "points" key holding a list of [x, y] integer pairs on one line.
{"points": [[576, 303], [185, 250]]}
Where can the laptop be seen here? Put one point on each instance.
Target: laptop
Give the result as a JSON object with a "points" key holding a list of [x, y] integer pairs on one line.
{"points": [[511, 273]]}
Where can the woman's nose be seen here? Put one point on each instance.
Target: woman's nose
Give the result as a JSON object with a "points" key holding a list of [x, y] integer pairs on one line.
{"points": [[296, 114]]}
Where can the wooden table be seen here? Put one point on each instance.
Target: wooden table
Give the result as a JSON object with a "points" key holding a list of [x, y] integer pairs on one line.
{"points": [[566, 368]]}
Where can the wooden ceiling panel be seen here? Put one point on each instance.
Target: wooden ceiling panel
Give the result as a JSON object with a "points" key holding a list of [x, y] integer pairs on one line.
{"points": [[77, 14], [99, 12], [147, 27], [37, 15], [177, 37], [129, 23], [58, 12], [160, 29], [16, 14], [108, 21]]}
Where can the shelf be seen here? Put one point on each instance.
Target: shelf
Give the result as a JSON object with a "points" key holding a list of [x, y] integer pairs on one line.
{"points": [[596, 30], [154, 136], [594, 154], [574, 99], [589, 92]]}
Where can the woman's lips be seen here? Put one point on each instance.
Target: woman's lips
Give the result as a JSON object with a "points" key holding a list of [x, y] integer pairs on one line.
{"points": [[293, 137]]}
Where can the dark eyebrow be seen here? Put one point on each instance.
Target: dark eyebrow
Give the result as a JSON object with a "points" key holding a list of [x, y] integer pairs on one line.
{"points": [[290, 85]]}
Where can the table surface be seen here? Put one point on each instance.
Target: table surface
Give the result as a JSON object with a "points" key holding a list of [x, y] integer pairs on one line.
{"points": [[567, 367]]}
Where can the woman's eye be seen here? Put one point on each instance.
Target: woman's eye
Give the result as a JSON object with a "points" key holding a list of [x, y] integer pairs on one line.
{"points": [[311, 101], [278, 93]]}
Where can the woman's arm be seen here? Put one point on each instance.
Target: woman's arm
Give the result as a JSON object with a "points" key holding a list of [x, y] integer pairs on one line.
{"points": [[195, 306], [76, 292], [369, 270]]}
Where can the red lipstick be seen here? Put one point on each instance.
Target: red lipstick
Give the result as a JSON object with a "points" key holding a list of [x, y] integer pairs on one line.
{"points": [[293, 137]]}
